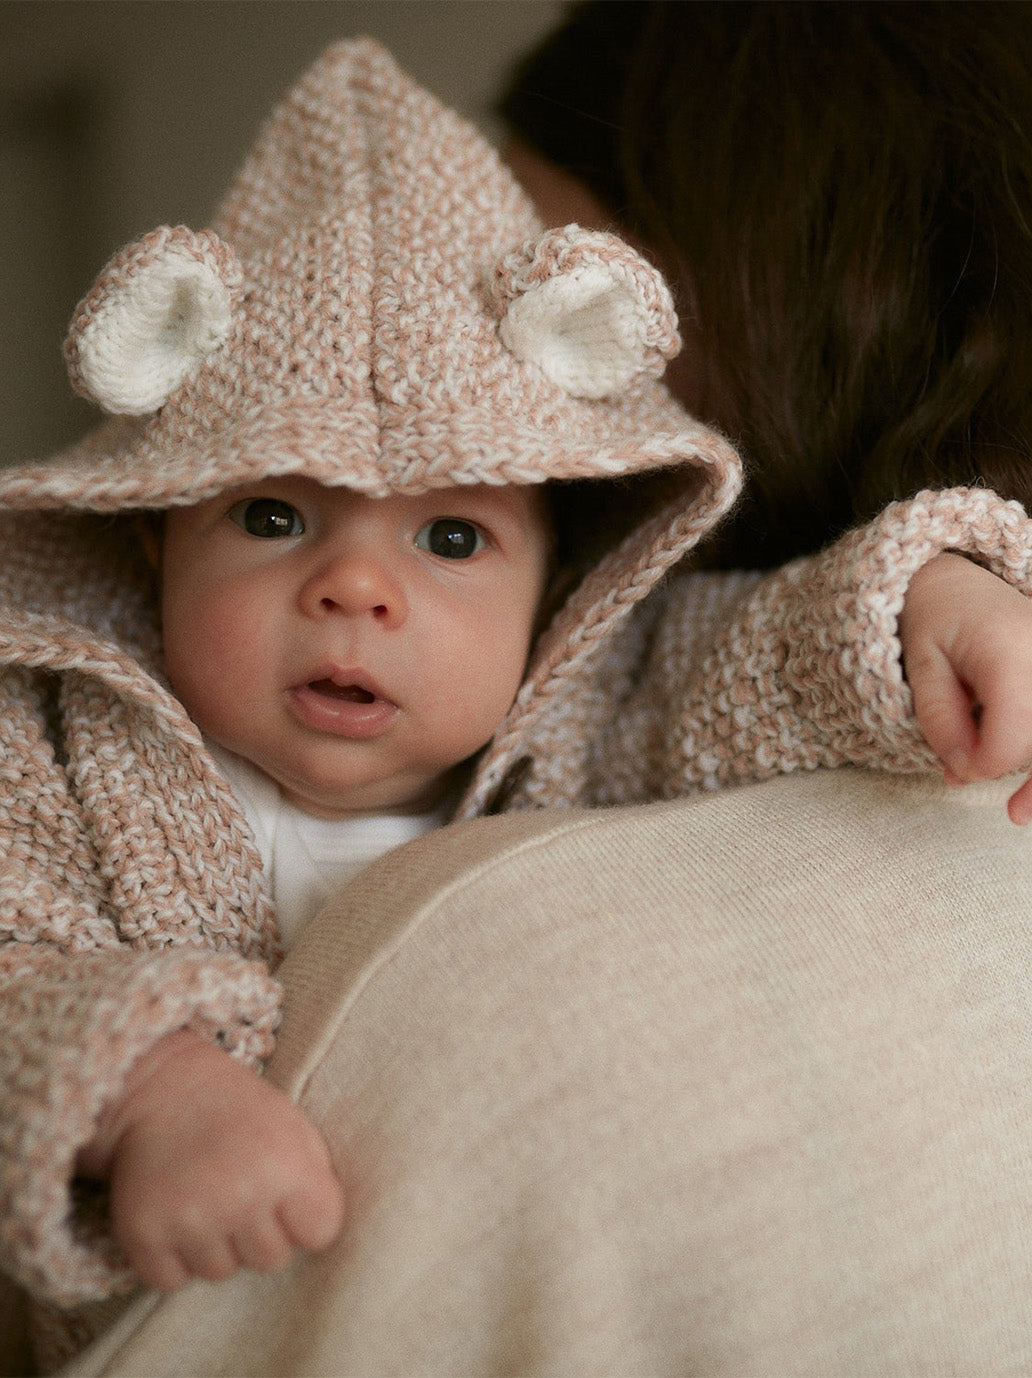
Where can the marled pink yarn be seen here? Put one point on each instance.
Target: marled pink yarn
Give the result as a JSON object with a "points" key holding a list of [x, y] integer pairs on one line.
{"points": [[103, 1025], [131, 896], [360, 242]]}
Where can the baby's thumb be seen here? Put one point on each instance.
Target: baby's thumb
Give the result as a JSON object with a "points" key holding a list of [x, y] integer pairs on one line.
{"points": [[313, 1217], [313, 1212]]}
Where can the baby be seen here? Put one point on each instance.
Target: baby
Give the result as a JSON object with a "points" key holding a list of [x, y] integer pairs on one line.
{"points": [[408, 479]]}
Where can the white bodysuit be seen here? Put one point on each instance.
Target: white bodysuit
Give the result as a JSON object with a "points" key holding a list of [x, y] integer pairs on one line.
{"points": [[307, 858]]}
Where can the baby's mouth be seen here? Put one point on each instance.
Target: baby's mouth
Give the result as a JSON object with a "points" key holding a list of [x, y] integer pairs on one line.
{"points": [[347, 693], [344, 703]]}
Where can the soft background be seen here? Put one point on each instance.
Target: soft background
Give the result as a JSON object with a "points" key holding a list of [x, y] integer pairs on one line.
{"points": [[119, 116]]}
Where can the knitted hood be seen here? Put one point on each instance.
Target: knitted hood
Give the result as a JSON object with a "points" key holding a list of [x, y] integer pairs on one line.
{"points": [[376, 305]]}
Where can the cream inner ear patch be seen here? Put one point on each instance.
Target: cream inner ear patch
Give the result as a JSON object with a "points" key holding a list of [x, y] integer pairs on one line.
{"points": [[585, 330], [154, 316], [587, 310]]}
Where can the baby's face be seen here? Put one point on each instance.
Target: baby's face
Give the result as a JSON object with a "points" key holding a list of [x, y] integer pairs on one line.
{"points": [[353, 648]]}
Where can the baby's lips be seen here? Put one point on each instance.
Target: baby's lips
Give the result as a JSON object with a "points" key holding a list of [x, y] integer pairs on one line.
{"points": [[342, 709]]}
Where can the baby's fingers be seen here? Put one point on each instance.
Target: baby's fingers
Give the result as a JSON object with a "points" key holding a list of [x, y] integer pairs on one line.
{"points": [[1004, 740], [312, 1216], [1005, 746], [942, 706], [211, 1257], [159, 1267], [1019, 805], [263, 1244]]}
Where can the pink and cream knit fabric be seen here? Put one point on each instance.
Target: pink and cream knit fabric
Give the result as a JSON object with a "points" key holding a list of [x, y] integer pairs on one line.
{"points": [[376, 306]]}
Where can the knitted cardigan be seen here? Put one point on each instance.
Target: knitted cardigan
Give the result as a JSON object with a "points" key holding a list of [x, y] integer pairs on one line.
{"points": [[131, 896]]}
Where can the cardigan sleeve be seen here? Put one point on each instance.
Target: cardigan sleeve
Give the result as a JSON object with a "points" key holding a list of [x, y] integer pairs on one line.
{"points": [[74, 1023], [747, 677], [80, 1001]]}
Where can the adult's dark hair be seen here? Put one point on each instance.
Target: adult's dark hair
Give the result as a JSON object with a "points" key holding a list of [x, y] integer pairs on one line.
{"points": [[842, 194]]}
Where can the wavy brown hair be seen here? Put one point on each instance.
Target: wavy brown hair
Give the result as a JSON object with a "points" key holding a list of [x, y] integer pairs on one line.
{"points": [[843, 196]]}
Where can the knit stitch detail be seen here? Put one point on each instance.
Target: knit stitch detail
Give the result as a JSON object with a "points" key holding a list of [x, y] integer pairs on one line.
{"points": [[596, 610]]}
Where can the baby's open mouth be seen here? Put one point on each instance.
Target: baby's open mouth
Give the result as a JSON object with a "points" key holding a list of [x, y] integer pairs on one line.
{"points": [[349, 693], [343, 703]]}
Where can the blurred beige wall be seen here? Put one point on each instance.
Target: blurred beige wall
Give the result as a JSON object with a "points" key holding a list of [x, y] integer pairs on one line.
{"points": [[119, 115]]}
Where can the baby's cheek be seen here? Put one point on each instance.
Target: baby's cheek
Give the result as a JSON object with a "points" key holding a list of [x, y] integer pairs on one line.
{"points": [[208, 653], [488, 695]]}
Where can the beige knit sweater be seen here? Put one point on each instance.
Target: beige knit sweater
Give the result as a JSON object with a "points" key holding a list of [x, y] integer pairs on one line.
{"points": [[131, 894]]}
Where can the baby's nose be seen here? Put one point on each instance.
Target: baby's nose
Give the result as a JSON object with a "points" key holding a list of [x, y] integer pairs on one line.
{"points": [[355, 583]]}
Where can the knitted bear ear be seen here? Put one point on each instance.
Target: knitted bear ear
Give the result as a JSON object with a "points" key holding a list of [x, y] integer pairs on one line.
{"points": [[587, 309], [155, 313]]}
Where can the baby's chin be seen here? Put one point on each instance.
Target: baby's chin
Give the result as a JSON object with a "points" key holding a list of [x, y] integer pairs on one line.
{"points": [[408, 796]]}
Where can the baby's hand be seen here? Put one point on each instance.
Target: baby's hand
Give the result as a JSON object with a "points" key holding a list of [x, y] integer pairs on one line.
{"points": [[967, 651], [211, 1169]]}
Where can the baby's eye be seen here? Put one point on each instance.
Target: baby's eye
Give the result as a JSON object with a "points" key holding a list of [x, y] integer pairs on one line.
{"points": [[267, 517], [451, 538]]}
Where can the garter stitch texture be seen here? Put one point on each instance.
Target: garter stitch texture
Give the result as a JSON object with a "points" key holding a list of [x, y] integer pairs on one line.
{"points": [[349, 316]]}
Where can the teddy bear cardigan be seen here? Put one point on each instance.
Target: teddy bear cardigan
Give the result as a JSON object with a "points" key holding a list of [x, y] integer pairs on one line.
{"points": [[132, 901]]}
